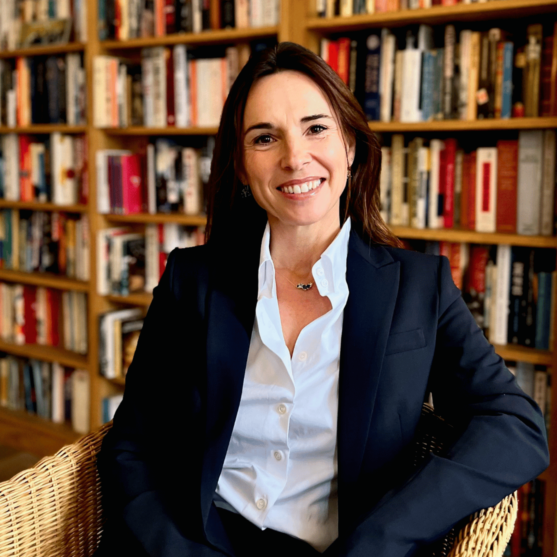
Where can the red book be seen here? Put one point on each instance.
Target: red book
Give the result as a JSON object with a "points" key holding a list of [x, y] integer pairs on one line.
{"points": [[464, 192], [472, 193], [333, 55], [192, 65], [169, 17], [55, 316], [479, 256], [162, 255], [30, 305], [442, 179], [170, 110], [507, 180], [546, 85], [117, 21], [344, 59], [449, 169], [131, 184], [25, 185]]}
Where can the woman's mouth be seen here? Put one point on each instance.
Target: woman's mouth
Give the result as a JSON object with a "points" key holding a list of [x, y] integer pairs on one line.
{"points": [[305, 187]]}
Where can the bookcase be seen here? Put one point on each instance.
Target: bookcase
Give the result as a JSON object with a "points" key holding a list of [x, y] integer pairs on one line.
{"points": [[298, 22]]}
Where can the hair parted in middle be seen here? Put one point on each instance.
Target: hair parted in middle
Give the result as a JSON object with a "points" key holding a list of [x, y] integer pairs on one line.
{"points": [[360, 199]]}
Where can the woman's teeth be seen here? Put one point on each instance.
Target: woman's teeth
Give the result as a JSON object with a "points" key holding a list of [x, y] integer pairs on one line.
{"points": [[301, 188]]}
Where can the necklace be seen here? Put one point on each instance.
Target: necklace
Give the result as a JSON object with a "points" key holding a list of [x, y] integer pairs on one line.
{"points": [[301, 286]]}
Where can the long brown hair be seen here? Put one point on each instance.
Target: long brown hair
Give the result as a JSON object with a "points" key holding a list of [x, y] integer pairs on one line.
{"points": [[228, 209]]}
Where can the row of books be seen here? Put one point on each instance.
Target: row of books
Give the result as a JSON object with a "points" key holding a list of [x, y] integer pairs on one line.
{"points": [[130, 262], [508, 289], [118, 335], [44, 168], [16, 16], [508, 188], [171, 86], [166, 177], [47, 316], [43, 90], [49, 390], [347, 8], [418, 75], [45, 242], [130, 19]]}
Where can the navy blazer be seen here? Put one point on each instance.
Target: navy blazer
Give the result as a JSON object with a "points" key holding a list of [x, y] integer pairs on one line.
{"points": [[406, 330]]}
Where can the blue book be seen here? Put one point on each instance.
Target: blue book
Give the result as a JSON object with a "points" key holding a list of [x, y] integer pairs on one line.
{"points": [[507, 88], [438, 81], [39, 390], [428, 84], [30, 401], [372, 98], [101, 18], [543, 310]]}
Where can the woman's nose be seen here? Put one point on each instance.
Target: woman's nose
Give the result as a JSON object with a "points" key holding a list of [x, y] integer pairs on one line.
{"points": [[295, 154]]}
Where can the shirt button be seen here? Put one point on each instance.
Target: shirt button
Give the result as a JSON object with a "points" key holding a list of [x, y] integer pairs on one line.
{"points": [[277, 455], [261, 504], [324, 283], [320, 271], [282, 409], [302, 356]]}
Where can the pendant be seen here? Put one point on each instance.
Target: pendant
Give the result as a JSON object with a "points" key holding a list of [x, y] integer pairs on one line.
{"points": [[304, 286]]}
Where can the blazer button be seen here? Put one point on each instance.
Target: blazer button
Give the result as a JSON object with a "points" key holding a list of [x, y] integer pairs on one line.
{"points": [[281, 409], [261, 504]]}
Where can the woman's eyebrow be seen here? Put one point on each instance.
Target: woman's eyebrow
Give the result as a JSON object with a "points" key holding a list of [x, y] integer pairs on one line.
{"points": [[269, 126]]}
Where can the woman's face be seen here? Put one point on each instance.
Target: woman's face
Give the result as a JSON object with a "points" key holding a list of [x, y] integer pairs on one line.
{"points": [[295, 159]]}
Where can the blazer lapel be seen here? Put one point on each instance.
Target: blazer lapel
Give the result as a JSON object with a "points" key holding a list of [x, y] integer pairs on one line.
{"points": [[373, 279]]}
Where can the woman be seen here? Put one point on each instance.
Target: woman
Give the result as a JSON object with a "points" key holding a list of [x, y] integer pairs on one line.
{"points": [[292, 354]]}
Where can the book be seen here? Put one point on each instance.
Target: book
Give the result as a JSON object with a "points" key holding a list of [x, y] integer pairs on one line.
{"points": [[530, 152]]}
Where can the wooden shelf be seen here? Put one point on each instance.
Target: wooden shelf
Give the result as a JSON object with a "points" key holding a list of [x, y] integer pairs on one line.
{"points": [[33, 434], [435, 15], [49, 280], [140, 130], [38, 206], [469, 236], [120, 381], [465, 125], [41, 50], [46, 353], [140, 299], [44, 128], [524, 354], [205, 37], [159, 218]]}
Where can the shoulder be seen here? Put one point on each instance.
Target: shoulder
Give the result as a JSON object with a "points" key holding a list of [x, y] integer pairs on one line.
{"points": [[187, 267]]}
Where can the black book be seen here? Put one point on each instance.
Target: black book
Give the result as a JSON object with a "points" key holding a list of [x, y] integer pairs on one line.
{"points": [[184, 16], [227, 14]]}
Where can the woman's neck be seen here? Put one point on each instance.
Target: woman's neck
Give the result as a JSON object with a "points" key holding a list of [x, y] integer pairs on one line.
{"points": [[297, 248]]}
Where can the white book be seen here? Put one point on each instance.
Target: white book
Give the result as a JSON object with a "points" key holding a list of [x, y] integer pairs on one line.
{"points": [[101, 117], [57, 404], [192, 189], [63, 10], [465, 49], [111, 404], [72, 66], [548, 183], [385, 183], [171, 238], [101, 165], [423, 177], [124, 28], [10, 148], [410, 94], [502, 294], [435, 220], [346, 8], [270, 12], [151, 257], [232, 67], [147, 84], [151, 180], [159, 87], [256, 15], [103, 258], [204, 99], [197, 16], [387, 68], [370, 6], [81, 401], [530, 150], [241, 13], [63, 169], [324, 49], [121, 95], [486, 189], [11, 106], [181, 86], [397, 177]]}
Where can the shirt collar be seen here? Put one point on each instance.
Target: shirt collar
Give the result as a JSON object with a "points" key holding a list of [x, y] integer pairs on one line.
{"points": [[329, 271]]}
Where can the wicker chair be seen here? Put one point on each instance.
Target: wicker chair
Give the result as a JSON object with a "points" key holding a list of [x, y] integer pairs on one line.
{"points": [[54, 510]]}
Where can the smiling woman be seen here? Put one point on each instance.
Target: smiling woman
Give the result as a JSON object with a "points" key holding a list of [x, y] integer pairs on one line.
{"points": [[294, 351]]}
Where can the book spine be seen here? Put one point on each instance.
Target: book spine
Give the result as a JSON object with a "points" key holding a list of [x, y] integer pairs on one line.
{"points": [[449, 181], [486, 189], [547, 208], [507, 84], [372, 100], [507, 160], [530, 149]]}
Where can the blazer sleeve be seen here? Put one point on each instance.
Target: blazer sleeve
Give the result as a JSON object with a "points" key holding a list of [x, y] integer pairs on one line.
{"points": [[502, 442], [130, 489]]}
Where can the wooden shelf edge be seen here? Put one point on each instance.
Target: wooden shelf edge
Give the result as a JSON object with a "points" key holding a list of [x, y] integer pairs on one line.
{"points": [[43, 50], [465, 125], [524, 354], [43, 128], [433, 15], [140, 130], [46, 353], [205, 37], [44, 279], [30, 433], [470, 236], [39, 206], [158, 218]]}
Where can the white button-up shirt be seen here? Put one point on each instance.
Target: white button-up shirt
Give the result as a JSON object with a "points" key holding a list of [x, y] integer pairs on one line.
{"points": [[281, 466]]}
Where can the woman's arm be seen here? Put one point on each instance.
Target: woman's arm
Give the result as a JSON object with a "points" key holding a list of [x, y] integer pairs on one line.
{"points": [[502, 446]]}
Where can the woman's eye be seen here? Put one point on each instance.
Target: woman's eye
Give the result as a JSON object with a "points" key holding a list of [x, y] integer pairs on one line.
{"points": [[318, 128], [263, 140]]}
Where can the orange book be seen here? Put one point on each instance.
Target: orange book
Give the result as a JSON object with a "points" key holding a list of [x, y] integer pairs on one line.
{"points": [[380, 6], [465, 193], [498, 89], [113, 83], [215, 14], [472, 192], [160, 20], [23, 100], [507, 180], [25, 185], [393, 5], [193, 91], [344, 59]]}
